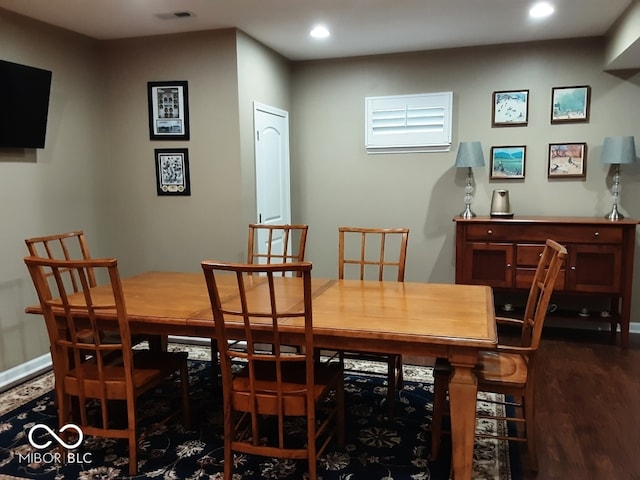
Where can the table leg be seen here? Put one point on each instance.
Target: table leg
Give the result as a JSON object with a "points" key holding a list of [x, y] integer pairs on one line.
{"points": [[463, 388]]}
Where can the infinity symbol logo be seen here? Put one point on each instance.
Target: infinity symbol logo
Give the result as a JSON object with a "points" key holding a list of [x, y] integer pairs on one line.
{"points": [[54, 435]]}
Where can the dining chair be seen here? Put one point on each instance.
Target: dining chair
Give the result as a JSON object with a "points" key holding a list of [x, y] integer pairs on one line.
{"points": [[67, 246], [510, 368], [267, 244], [74, 246], [276, 243], [277, 391], [365, 250], [94, 376]]}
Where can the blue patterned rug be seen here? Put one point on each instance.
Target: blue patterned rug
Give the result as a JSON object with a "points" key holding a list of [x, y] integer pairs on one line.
{"points": [[376, 447]]}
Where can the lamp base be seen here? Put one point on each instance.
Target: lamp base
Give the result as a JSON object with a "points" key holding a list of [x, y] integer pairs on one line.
{"points": [[467, 213], [614, 214]]}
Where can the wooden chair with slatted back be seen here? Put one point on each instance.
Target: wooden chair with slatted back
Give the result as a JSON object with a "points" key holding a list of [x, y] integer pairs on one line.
{"points": [[510, 369], [283, 243], [376, 249], [275, 387], [74, 246], [92, 375], [67, 246]]}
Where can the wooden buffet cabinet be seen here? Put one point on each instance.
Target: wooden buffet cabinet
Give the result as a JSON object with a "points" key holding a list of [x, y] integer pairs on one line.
{"points": [[503, 253]]}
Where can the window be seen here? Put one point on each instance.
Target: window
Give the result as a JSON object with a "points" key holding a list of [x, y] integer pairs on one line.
{"points": [[409, 123]]}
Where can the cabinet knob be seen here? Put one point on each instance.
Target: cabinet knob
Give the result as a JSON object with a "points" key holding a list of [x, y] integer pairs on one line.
{"points": [[573, 267], [489, 232], [508, 265], [596, 234]]}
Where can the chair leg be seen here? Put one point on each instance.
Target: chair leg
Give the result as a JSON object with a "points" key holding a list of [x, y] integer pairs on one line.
{"points": [[311, 452], [441, 380], [341, 414], [215, 365], [184, 384], [391, 385], [530, 426], [395, 380], [133, 447], [400, 373], [228, 421], [158, 343]]}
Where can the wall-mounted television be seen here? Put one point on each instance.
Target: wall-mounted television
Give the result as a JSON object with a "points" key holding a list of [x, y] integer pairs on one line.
{"points": [[24, 106]]}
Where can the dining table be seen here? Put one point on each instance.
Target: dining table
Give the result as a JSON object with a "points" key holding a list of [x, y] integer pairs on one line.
{"points": [[451, 321]]}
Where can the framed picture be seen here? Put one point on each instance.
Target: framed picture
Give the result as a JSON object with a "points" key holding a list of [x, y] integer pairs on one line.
{"points": [[172, 171], [570, 104], [510, 108], [168, 110], [567, 160], [508, 162]]}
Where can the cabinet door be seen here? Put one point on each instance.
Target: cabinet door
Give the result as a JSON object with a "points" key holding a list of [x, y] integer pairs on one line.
{"points": [[594, 268], [489, 264]]}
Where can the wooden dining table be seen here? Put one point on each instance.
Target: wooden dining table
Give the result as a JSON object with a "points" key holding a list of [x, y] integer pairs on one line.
{"points": [[423, 319]]}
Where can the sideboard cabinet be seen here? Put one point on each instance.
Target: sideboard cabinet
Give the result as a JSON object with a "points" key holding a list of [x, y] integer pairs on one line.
{"points": [[504, 252]]}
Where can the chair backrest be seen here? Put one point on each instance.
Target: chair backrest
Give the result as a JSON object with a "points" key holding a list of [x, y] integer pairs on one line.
{"points": [[372, 247], [544, 280], [63, 246], [75, 334], [284, 243], [262, 305]]}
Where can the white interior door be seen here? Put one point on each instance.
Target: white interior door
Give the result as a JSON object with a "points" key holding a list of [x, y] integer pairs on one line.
{"points": [[273, 190]]}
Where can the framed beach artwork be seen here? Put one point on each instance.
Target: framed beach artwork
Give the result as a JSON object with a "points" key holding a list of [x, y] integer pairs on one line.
{"points": [[168, 110], [510, 108], [508, 162], [570, 104], [567, 160], [172, 171]]}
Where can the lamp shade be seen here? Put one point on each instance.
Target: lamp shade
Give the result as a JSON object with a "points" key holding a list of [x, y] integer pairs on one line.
{"points": [[618, 150], [470, 155]]}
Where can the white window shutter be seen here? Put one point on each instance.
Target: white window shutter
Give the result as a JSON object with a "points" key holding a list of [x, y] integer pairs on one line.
{"points": [[409, 123]]}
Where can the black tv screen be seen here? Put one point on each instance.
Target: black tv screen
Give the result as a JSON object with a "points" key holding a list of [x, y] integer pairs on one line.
{"points": [[24, 106]]}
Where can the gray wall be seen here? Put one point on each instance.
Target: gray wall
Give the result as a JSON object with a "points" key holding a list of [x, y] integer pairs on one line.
{"points": [[263, 77], [337, 183], [97, 170], [52, 189]]}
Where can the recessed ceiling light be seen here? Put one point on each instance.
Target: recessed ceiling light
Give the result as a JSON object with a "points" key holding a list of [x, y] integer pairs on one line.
{"points": [[319, 31], [541, 9]]}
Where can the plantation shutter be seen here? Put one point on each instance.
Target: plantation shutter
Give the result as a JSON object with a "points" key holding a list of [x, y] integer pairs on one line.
{"points": [[409, 123]]}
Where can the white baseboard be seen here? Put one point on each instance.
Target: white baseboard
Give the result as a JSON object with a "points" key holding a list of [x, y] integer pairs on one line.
{"points": [[25, 371], [190, 340]]}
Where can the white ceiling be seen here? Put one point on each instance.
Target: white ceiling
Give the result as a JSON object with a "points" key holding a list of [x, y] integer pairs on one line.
{"points": [[359, 27]]}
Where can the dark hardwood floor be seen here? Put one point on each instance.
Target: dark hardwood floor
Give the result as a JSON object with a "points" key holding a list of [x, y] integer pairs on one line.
{"points": [[588, 407]]}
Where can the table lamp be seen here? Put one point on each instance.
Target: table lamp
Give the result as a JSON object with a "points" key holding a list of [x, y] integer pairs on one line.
{"points": [[617, 151], [469, 155]]}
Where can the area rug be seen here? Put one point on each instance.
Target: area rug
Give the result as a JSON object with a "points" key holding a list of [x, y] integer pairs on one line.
{"points": [[376, 447]]}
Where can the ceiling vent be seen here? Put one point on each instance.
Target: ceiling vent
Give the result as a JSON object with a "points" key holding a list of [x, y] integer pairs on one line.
{"points": [[174, 15]]}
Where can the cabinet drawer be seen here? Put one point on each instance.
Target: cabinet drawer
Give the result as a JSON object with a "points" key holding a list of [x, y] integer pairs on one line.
{"points": [[528, 255], [490, 232], [590, 234], [524, 279], [563, 234]]}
